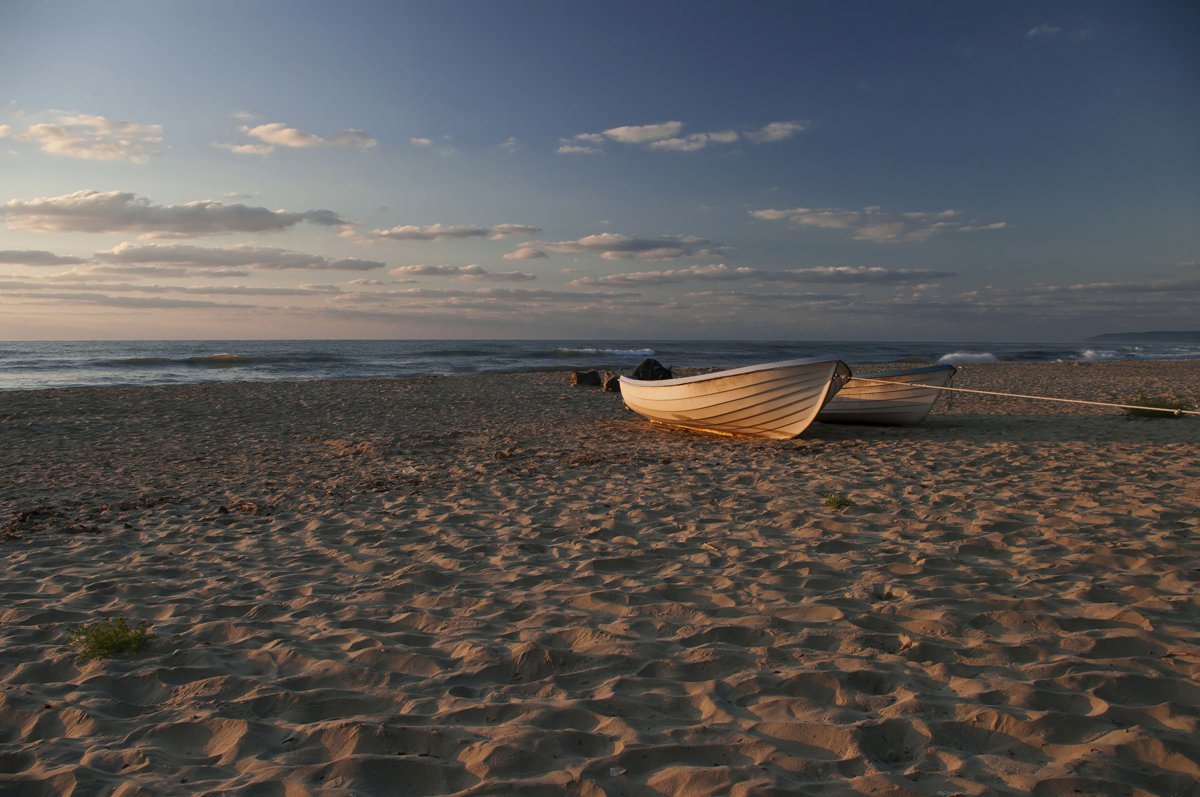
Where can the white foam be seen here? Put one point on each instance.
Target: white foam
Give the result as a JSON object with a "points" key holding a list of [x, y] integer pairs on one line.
{"points": [[616, 352], [959, 357]]}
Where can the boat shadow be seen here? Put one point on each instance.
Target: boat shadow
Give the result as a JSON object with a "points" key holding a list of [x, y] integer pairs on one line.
{"points": [[1048, 428]]}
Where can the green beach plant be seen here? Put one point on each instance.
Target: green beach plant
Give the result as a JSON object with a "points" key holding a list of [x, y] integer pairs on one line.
{"points": [[1158, 406], [835, 501], [109, 638]]}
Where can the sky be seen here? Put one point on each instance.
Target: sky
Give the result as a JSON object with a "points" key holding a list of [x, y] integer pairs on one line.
{"points": [[286, 169]]}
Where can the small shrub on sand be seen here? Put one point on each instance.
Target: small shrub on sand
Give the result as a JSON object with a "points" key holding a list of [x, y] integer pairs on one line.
{"points": [[835, 501], [1158, 406], [109, 638]]}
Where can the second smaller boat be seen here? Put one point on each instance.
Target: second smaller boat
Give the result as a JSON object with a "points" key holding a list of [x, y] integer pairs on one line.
{"points": [[894, 398]]}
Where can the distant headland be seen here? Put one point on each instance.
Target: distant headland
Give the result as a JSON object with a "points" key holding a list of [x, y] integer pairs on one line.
{"points": [[1146, 337]]}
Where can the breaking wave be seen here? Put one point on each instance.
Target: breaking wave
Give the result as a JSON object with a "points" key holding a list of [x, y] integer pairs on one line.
{"points": [[964, 357], [566, 352], [218, 360]]}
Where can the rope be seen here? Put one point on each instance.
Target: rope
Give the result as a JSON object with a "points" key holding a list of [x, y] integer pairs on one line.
{"points": [[1036, 398]]}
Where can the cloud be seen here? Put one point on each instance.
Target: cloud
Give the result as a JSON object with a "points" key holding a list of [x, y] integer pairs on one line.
{"points": [[439, 232], [255, 290], [120, 212], [500, 231], [695, 141], [569, 148], [425, 271], [720, 272], [240, 256], [277, 134], [1044, 29], [514, 302], [859, 275], [246, 149], [472, 272], [421, 142], [122, 302], [644, 134], [669, 136], [37, 257], [613, 246], [777, 131], [1100, 302], [526, 253], [872, 224], [851, 275], [91, 137], [118, 271]]}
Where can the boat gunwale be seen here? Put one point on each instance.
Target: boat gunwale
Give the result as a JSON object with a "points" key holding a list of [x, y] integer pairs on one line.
{"points": [[747, 369], [927, 369]]}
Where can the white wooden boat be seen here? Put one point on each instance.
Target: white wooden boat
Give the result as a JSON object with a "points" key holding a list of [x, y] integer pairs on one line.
{"points": [[777, 400], [895, 398]]}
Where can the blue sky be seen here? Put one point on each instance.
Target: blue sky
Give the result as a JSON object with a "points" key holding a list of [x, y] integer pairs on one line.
{"points": [[793, 170]]}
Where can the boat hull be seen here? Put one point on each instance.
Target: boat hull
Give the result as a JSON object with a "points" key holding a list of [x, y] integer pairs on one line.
{"points": [[896, 398], [775, 400]]}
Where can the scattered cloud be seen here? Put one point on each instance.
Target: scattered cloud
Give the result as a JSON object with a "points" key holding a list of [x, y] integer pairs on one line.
{"points": [[37, 257], [613, 246], [574, 147], [1098, 301], [90, 137], [125, 271], [1047, 30], [277, 134], [670, 136], [440, 232], [238, 256], [644, 134], [118, 301], [474, 273], [121, 212], [777, 131], [695, 141], [873, 224], [445, 149], [720, 272], [1044, 29], [526, 253], [510, 301], [861, 275], [500, 231], [509, 145]]}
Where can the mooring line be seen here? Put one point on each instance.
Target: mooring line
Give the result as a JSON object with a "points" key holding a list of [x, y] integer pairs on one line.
{"points": [[1023, 396]]}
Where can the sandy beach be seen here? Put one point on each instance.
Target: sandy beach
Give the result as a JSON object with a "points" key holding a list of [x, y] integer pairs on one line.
{"points": [[503, 584]]}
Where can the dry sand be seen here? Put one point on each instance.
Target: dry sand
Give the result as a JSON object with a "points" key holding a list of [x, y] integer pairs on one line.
{"points": [[502, 584]]}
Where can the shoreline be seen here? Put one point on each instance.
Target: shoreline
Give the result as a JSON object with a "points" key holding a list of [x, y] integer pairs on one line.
{"points": [[1133, 366], [475, 584]]}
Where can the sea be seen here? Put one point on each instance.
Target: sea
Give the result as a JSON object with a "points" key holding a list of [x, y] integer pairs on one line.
{"points": [[42, 365]]}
